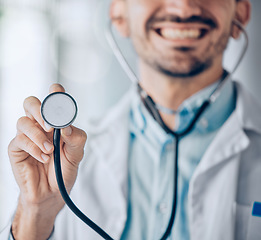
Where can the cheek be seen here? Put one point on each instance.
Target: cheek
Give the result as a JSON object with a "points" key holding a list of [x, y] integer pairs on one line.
{"points": [[137, 9], [135, 19], [139, 12], [221, 10], [223, 13]]}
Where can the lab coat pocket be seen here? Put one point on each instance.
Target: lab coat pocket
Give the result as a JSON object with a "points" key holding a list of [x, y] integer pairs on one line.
{"points": [[242, 216], [254, 226]]}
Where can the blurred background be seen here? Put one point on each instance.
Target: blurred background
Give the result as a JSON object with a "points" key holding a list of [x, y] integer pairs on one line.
{"points": [[47, 41]]}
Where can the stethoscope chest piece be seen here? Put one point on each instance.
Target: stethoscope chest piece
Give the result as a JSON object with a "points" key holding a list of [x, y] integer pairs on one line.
{"points": [[59, 110]]}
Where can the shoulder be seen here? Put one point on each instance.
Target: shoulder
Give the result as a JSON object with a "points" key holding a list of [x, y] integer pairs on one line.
{"points": [[248, 109]]}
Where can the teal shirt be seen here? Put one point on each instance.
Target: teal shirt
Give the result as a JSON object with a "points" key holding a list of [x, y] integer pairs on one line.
{"points": [[151, 164]]}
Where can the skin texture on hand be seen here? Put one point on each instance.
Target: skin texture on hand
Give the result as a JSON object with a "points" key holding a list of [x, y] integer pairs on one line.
{"points": [[31, 157]]}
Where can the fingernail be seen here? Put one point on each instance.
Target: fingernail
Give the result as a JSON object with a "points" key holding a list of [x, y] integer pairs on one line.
{"points": [[67, 131], [47, 126], [48, 146], [45, 157]]}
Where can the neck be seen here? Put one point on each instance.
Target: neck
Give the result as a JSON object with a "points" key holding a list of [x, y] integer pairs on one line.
{"points": [[172, 92]]}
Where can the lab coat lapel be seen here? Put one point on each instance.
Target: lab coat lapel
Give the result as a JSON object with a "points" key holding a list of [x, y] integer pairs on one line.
{"points": [[213, 186], [106, 168], [230, 140]]}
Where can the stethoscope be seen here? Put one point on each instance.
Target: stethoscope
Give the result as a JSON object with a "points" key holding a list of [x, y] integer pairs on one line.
{"points": [[59, 110]]}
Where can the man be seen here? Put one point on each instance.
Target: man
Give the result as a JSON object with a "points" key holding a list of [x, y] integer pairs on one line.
{"points": [[125, 184]]}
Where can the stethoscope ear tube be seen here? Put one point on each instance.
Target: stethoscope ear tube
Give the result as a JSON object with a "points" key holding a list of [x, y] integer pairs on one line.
{"points": [[152, 108], [213, 97], [63, 191]]}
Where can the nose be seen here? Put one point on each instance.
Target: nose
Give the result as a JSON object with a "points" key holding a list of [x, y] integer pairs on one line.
{"points": [[183, 8]]}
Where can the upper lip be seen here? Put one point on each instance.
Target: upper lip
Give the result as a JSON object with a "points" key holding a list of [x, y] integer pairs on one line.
{"points": [[160, 25], [172, 21]]}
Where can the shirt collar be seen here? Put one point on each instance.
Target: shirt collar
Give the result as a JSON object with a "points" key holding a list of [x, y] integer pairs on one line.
{"points": [[143, 124], [213, 118]]}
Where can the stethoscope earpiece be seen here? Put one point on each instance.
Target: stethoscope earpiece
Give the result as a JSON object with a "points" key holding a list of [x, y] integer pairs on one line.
{"points": [[59, 110]]}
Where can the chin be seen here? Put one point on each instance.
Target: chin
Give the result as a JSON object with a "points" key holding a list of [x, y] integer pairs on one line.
{"points": [[179, 72]]}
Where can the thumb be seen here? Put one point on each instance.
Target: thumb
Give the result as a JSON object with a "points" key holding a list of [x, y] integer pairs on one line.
{"points": [[74, 140], [56, 87]]}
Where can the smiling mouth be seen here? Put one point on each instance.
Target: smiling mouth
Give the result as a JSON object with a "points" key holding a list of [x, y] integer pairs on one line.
{"points": [[181, 34]]}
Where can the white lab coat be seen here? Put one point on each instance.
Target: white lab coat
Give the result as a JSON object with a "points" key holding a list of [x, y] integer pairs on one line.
{"points": [[221, 193]]}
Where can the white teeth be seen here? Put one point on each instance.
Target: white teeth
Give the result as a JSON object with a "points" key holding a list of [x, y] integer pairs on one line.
{"points": [[176, 34]]}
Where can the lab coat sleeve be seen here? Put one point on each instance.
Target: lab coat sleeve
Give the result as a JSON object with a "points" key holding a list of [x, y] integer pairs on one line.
{"points": [[5, 234], [11, 236]]}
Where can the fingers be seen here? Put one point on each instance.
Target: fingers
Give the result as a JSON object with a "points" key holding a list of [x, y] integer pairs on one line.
{"points": [[56, 88], [33, 140], [74, 139], [23, 143], [32, 107]]}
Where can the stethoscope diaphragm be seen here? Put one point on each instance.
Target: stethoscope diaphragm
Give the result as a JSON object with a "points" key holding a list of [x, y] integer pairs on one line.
{"points": [[59, 110]]}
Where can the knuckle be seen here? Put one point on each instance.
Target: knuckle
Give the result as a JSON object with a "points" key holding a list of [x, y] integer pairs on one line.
{"points": [[19, 138], [84, 136], [28, 145], [10, 146], [21, 121], [31, 148], [37, 134], [81, 137]]}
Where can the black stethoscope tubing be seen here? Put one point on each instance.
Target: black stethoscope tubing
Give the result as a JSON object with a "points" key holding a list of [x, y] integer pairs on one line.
{"points": [[153, 109], [63, 191], [150, 105]]}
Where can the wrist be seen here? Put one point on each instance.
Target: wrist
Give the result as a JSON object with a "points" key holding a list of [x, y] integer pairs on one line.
{"points": [[33, 222]]}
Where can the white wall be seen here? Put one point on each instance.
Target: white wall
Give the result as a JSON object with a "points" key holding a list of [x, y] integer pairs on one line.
{"points": [[25, 70], [82, 61], [249, 72]]}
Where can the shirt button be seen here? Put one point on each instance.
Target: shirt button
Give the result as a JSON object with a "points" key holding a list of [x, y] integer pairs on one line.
{"points": [[204, 123], [163, 207]]}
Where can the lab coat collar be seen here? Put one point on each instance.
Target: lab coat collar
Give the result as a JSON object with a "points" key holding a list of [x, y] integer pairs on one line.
{"points": [[232, 138], [248, 110], [109, 139]]}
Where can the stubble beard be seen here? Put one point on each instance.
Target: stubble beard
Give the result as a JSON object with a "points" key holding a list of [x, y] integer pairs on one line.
{"points": [[179, 66]]}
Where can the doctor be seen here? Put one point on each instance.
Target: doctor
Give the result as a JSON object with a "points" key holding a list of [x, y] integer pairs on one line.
{"points": [[125, 182]]}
